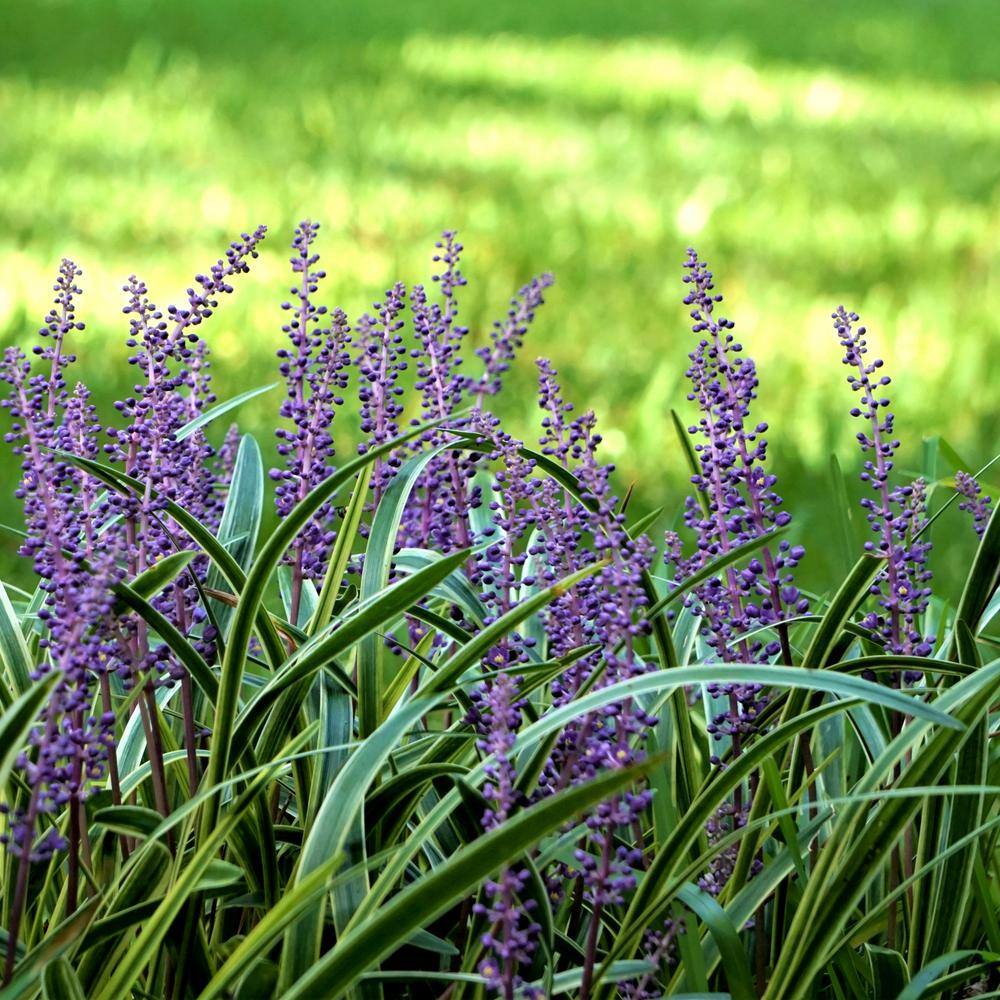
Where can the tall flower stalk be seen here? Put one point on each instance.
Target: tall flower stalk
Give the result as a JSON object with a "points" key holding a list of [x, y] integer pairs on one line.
{"points": [[497, 705], [72, 743], [440, 519], [606, 610], [172, 362], [738, 496], [507, 337], [895, 514], [316, 372], [974, 502], [735, 502], [381, 362]]}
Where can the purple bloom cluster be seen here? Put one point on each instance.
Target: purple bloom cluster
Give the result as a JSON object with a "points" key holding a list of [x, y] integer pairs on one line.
{"points": [[497, 704], [728, 818], [510, 939], [175, 388], [606, 609], [507, 336], [538, 534], [381, 362], [973, 502], [69, 746], [437, 513], [316, 371], [659, 948], [736, 503], [445, 494], [895, 515]]}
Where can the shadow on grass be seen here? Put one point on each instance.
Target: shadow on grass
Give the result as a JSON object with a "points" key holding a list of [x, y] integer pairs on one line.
{"points": [[956, 40]]}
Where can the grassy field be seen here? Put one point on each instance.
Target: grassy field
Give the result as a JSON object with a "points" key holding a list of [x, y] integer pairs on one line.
{"points": [[814, 153]]}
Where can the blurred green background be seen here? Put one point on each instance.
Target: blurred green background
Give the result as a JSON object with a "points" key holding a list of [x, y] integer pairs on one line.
{"points": [[847, 151]]}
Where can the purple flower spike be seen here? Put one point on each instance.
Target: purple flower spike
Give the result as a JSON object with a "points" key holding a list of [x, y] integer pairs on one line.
{"points": [[511, 938], [606, 609], [894, 514], [173, 388], [381, 361], [973, 502], [508, 336], [736, 502], [738, 491], [69, 747], [438, 515], [659, 949], [316, 371]]}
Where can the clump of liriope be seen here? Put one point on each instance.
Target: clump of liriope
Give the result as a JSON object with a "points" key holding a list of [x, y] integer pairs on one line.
{"points": [[516, 523], [528, 521]]}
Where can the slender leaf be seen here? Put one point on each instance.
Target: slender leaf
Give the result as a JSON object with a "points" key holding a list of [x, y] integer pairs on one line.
{"points": [[417, 904], [213, 413]]}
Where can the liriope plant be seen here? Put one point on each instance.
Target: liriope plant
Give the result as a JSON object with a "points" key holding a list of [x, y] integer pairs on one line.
{"points": [[454, 727]]}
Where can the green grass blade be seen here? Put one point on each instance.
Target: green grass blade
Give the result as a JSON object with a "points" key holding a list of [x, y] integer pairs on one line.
{"points": [[984, 575], [258, 942], [57, 942], [15, 659], [16, 723], [887, 971], [657, 890], [339, 830], [341, 553], [952, 883], [480, 644], [687, 450], [456, 589], [149, 583], [920, 983], [383, 608], [727, 940], [845, 516], [199, 534], [146, 945], [849, 595], [241, 517], [863, 836]]}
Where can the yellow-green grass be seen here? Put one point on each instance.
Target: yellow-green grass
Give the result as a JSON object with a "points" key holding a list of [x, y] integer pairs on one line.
{"points": [[815, 157]]}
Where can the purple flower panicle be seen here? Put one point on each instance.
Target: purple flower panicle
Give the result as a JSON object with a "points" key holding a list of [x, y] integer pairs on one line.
{"points": [[507, 336], [316, 371], [381, 360], [973, 502], [895, 514], [735, 502], [69, 747]]}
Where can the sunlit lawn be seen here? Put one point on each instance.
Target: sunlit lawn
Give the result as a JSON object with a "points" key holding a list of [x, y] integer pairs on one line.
{"points": [[813, 157]]}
